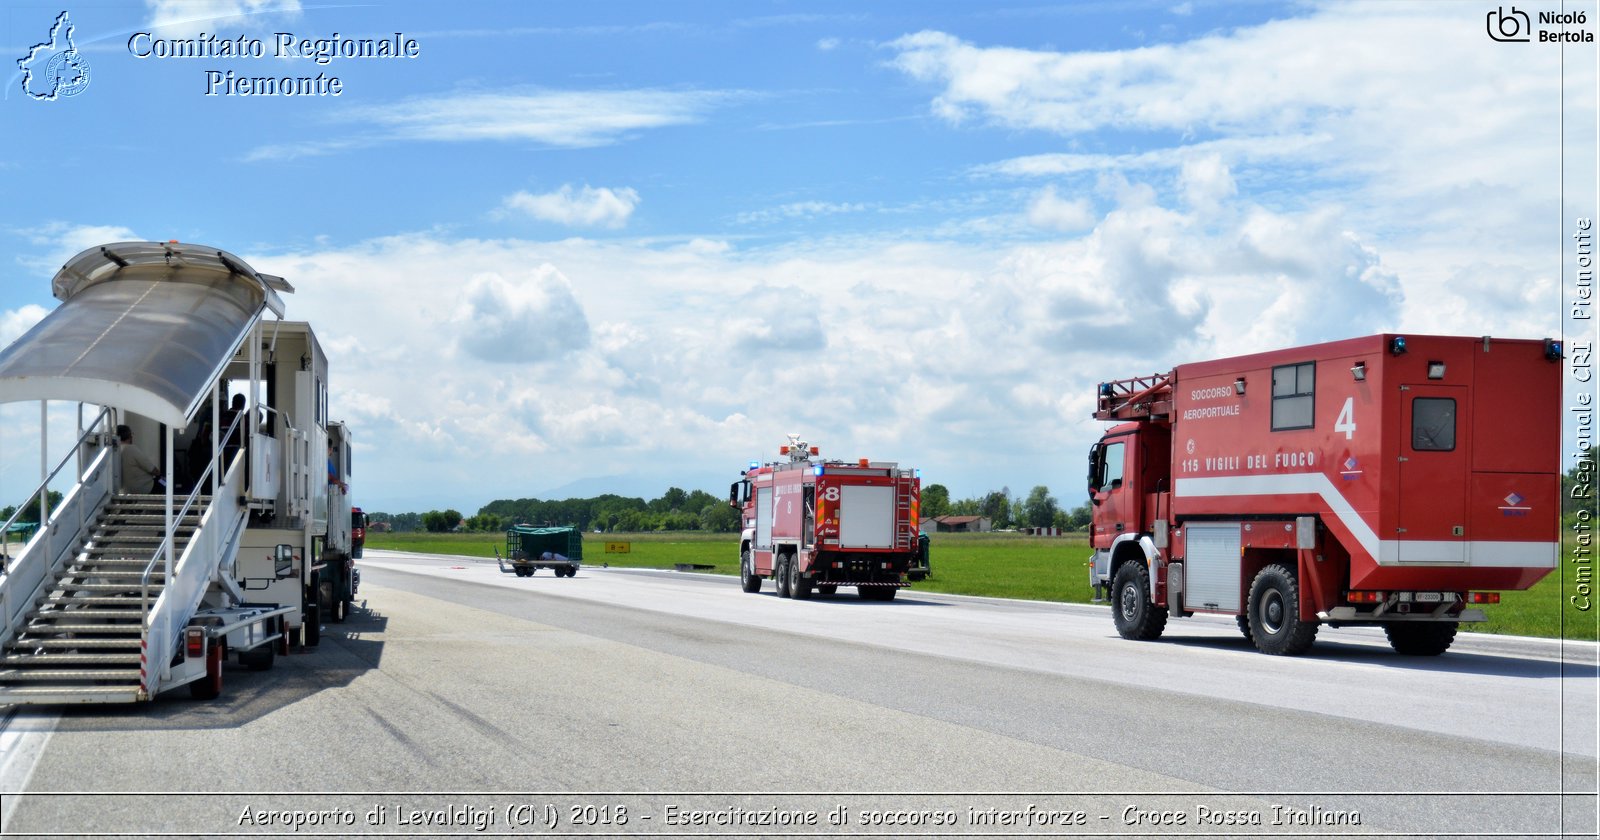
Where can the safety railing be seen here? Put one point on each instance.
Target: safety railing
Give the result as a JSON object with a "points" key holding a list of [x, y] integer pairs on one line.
{"points": [[211, 546], [62, 530]]}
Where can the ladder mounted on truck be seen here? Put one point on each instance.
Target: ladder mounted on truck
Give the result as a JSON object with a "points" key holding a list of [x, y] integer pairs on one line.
{"points": [[120, 595], [1140, 398]]}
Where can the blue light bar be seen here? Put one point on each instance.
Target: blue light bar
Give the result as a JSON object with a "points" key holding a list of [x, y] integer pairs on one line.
{"points": [[1397, 345], [817, 469], [755, 465], [917, 473]]}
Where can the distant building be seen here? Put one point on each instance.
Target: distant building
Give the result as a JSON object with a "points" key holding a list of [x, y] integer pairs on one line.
{"points": [[961, 524]]}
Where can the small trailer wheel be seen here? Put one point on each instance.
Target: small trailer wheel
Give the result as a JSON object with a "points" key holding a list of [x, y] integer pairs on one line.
{"points": [[209, 687]]}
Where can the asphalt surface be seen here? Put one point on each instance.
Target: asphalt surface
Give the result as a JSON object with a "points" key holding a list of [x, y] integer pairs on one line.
{"points": [[620, 701]]}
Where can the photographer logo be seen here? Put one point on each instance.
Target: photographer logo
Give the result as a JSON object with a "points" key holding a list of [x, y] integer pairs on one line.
{"points": [[1509, 26]]}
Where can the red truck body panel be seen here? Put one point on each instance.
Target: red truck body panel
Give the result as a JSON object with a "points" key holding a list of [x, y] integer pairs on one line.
{"points": [[1432, 468]]}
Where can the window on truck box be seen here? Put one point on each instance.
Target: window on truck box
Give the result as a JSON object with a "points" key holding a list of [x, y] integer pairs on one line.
{"points": [[1433, 424], [1293, 396]]}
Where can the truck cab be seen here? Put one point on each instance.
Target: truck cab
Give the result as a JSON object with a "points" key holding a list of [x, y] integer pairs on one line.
{"points": [[1129, 475]]}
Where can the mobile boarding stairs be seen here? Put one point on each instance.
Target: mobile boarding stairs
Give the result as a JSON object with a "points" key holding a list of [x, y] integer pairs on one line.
{"points": [[118, 597]]}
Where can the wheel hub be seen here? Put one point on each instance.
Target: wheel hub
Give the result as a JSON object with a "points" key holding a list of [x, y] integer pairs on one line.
{"points": [[1272, 613], [1130, 602]]}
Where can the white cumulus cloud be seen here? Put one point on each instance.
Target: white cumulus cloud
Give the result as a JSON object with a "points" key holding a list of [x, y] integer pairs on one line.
{"points": [[530, 318], [15, 322], [584, 207], [1049, 210]]}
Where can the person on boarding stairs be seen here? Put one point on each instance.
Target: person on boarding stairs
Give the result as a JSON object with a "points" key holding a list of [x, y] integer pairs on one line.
{"points": [[139, 472]]}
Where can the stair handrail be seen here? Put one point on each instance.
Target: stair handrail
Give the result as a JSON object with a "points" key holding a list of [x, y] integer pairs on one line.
{"points": [[163, 618], [44, 506], [28, 574], [166, 539]]}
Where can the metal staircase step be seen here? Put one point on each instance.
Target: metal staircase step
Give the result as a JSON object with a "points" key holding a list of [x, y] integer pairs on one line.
{"points": [[78, 675], [122, 517], [130, 573], [58, 660], [129, 612], [131, 586], [95, 556], [98, 600], [118, 629], [69, 643], [63, 695]]}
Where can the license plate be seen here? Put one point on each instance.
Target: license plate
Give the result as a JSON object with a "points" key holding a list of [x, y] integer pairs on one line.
{"points": [[1430, 597]]}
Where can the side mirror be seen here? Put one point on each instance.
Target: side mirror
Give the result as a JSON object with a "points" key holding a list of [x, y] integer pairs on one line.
{"points": [[283, 561]]}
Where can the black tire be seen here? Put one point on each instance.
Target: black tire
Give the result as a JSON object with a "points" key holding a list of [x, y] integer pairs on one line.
{"points": [[1244, 625], [348, 606], [258, 658], [749, 581], [827, 588], [338, 610], [1131, 610], [1420, 638], [799, 585], [780, 576], [325, 596], [209, 687], [1275, 624]]}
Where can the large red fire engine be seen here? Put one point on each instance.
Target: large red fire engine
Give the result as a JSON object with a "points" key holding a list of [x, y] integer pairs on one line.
{"points": [[815, 525], [1377, 480]]}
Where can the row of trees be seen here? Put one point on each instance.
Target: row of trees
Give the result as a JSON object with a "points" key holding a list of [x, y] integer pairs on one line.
{"points": [[31, 512], [1038, 509], [681, 510], [675, 510]]}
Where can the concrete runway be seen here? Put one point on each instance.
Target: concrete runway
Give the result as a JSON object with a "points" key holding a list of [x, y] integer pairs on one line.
{"points": [[459, 694]]}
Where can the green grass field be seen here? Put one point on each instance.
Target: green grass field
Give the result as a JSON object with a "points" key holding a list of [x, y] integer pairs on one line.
{"points": [[994, 565]]}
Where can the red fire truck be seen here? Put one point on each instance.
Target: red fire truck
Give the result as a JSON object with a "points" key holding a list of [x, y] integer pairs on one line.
{"points": [[1383, 480], [815, 525]]}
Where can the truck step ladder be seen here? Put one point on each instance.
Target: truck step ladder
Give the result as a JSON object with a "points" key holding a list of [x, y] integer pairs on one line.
{"points": [[902, 503]]}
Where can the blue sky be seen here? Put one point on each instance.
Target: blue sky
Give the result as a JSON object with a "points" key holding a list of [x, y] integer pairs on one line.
{"points": [[617, 246]]}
